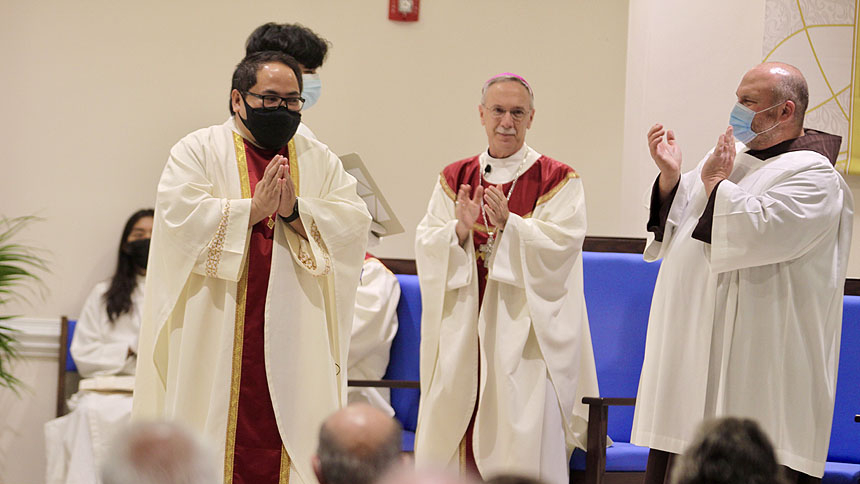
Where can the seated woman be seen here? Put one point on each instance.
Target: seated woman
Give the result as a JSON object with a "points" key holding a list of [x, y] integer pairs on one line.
{"points": [[104, 348]]}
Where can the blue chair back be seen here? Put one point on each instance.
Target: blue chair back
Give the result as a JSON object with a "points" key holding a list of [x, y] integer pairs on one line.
{"points": [[70, 363], [618, 291], [845, 433], [404, 361]]}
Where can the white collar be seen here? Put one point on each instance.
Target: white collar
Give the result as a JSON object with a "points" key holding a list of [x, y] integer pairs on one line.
{"points": [[504, 170]]}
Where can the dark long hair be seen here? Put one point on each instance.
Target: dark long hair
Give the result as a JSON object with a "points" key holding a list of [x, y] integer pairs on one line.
{"points": [[118, 295]]}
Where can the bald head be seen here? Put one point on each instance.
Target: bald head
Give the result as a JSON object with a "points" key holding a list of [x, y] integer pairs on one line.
{"points": [[425, 476], [356, 445], [157, 452], [788, 85], [781, 87]]}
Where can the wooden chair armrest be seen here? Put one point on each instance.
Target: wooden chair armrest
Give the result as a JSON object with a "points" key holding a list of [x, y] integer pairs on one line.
{"points": [[384, 383], [598, 419], [609, 401]]}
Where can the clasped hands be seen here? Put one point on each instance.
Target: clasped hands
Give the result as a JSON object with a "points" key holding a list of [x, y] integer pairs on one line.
{"points": [[667, 155], [274, 192], [468, 208]]}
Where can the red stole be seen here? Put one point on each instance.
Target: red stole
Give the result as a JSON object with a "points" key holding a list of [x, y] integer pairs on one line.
{"points": [[257, 451], [542, 180]]}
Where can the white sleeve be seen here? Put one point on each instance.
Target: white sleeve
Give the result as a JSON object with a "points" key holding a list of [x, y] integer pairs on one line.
{"points": [[93, 352], [783, 223], [210, 230]]}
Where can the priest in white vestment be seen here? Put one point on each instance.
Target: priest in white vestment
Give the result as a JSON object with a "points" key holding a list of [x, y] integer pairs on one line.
{"points": [[506, 352], [104, 349], [257, 250], [747, 309]]}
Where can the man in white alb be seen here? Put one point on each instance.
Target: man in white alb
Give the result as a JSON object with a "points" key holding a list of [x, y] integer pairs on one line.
{"points": [[747, 309], [506, 351], [257, 248]]}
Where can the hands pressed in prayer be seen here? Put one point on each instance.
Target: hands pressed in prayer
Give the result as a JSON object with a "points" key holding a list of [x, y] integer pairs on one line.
{"points": [[288, 203], [667, 155], [467, 210], [267, 193], [497, 206], [719, 164], [288, 198]]}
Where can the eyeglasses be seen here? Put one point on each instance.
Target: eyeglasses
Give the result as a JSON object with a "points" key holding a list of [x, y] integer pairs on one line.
{"points": [[498, 112], [270, 101]]}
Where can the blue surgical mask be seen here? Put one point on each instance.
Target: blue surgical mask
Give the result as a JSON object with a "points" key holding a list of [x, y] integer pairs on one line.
{"points": [[311, 89], [741, 122]]}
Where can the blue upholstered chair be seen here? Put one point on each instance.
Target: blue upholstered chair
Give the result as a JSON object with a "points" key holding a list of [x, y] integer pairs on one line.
{"points": [[843, 458]]}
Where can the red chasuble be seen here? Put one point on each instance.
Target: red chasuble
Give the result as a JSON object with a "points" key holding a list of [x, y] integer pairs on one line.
{"points": [[257, 452], [539, 183]]}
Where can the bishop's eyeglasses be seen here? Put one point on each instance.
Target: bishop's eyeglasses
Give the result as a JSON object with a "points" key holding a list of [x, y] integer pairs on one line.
{"points": [[498, 112]]}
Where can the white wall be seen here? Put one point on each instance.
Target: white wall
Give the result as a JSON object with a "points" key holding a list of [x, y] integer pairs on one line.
{"points": [[684, 62], [96, 92]]}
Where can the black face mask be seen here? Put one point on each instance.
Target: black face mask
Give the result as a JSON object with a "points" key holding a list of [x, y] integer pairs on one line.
{"points": [[139, 252], [271, 128]]}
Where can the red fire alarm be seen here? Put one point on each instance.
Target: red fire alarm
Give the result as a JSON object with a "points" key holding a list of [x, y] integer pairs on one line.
{"points": [[403, 10]]}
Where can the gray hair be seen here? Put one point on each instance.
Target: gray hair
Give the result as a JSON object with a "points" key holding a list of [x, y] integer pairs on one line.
{"points": [[158, 453], [340, 466], [507, 76], [791, 86]]}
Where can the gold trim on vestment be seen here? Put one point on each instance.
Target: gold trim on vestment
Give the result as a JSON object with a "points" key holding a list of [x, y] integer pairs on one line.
{"points": [[242, 162], [548, 195], [216, 245], [463, 456], [238, 327], [294, 165], [308, 261], [448, 190], [284, 476]]}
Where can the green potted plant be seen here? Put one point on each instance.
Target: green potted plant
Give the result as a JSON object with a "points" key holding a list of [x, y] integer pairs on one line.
{"points": [[19, 264]]}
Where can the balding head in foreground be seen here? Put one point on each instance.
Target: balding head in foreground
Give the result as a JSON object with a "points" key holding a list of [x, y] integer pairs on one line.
{"points": [[158, 453], [357, 445]]}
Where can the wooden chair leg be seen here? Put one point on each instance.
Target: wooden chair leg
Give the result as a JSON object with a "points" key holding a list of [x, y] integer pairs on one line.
{"points": [[595, 459], [61, 364]]}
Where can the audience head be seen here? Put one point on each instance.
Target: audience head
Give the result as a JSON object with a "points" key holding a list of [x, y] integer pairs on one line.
{"points": [[158, 453], [404, 475], [131, 261], [512, 479], [778, 95], [728, 451], [357, 445], [506, 111]]}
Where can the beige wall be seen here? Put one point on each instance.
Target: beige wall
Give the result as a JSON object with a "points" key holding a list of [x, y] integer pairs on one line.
{"points": [[684, 62], [682, 74], [98, 91]]}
